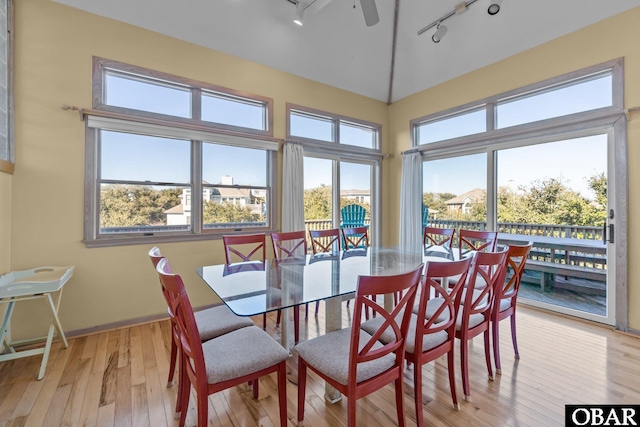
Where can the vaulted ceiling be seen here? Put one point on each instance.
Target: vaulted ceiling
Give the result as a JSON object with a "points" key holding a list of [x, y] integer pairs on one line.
{"points": [[334, 46]]}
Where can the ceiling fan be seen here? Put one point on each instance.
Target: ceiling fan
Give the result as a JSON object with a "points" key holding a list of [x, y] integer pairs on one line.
{"points": [[305, 7]]}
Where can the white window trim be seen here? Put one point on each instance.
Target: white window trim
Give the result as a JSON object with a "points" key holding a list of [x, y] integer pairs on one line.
{"points": [[119, 119]]}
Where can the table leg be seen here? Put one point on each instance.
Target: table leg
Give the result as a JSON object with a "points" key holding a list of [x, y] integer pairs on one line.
{"points": [[333, 322], [47, 349], [284, 329], [54, 311], [4, 329]]}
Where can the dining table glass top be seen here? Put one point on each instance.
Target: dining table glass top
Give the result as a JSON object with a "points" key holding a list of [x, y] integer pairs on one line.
{"points": [[251, 288]]}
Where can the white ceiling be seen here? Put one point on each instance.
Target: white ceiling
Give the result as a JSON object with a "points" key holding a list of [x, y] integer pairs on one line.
{"points": [[336, 47]]}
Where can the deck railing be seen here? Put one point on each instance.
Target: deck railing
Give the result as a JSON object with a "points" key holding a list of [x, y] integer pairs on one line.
{"points": [[549, 230]]}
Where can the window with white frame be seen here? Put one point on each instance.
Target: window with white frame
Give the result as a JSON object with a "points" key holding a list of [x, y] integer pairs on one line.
{"points": [[6, 108], [169, 159], [551, 162], [341, 166]]}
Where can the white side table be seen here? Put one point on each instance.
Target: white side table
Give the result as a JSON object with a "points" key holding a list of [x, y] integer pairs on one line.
{"points": [[32, 284]]}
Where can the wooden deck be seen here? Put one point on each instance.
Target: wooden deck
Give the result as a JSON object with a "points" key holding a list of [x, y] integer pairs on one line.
{"points": [[118, 378]]}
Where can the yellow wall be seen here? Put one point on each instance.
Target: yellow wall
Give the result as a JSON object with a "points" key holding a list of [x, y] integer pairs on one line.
{"points": [[54, 49], [610, 39]]}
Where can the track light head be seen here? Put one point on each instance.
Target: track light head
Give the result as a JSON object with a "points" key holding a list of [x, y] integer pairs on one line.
{"points": [[494, 7], [441, 30], [300, 8]]}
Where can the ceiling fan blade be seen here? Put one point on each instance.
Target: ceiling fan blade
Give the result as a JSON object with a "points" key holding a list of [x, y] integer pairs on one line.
{"points": [[370, 12]]}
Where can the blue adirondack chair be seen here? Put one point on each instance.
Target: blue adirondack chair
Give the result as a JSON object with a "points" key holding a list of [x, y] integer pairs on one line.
{"points": [[425, 215], [352, 216]]}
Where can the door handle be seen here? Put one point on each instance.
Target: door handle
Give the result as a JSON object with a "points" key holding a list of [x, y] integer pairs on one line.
{"points": [[604, 233]]}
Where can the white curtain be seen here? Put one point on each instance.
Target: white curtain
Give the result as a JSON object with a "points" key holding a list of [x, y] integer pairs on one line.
{"points": [[293, 187], [411, 203]]}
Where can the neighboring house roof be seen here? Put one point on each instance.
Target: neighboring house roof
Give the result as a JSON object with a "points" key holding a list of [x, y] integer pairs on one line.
{"points": [[231, 192], [472, 196], [355, 192], [175, 210]]}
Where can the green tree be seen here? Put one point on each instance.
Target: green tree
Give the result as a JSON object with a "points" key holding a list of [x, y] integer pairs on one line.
{"points": [[220, 213], [135, 205], [317, 203]]}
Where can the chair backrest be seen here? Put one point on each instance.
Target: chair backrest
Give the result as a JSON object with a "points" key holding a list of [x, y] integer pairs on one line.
{"points": [[355, 237], [442, 317], [182, 315], [323, 240], [425, 215], [352, 215], [367, 289], [434, 236], [474, 240], [516, 260], [479, 300], [247, 247], [156, 257], [289, 244]]}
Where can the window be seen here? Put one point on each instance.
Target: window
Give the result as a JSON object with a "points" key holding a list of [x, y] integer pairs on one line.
{"points": [[171, 159], [547, 166], [341, 167], [574, 97], [586, 90], [466, 123], [320, 126], [6, 108]]}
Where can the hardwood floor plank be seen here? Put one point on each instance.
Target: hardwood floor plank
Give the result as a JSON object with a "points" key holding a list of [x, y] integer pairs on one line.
{"points": [[106, 415], [123, 415], [124, 347], [155, 402], [139, 406], [78, 393], [101, 354], [136, 357]]}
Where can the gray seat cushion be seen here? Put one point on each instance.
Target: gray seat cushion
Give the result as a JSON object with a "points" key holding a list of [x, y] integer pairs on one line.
{"points": [[219, 320], [241, 352], [428, 342], [329, 354], [474, 320], [434, 304], [480, 282], [476, 295]]}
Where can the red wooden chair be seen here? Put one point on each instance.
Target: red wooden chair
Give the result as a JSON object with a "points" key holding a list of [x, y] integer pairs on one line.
{"points": [[212, 322], [324, 240], [238, 357], [292, 244], [432, 326], [245, 248], [438, 240], [433, 333], [504, 301], [289, 244], [355, 237], [354, 361], [476, 309], [478, 241]]}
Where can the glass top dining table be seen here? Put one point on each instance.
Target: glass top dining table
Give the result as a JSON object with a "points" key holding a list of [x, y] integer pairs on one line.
{"points": [[252, 288]]}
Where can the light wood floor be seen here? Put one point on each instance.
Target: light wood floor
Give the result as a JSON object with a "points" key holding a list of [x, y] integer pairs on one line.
{"points": [[118, 378]]}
